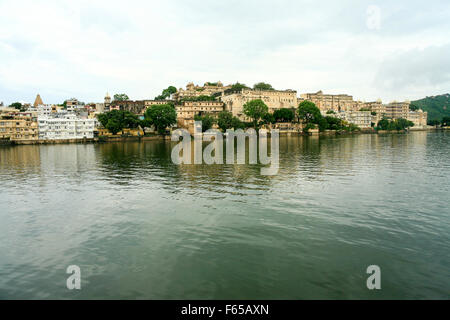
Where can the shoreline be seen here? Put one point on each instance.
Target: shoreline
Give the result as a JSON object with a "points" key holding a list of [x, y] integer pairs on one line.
{"points": [[106, 139]]}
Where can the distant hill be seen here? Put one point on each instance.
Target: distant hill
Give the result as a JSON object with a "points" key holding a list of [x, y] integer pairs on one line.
{"points": [[436, 106]]}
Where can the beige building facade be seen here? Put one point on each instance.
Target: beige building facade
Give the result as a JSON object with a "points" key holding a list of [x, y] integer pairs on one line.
{"points": [[335, 102], [419, 118], [192, 91], [187, 110], [274, 99], [18, 126]]}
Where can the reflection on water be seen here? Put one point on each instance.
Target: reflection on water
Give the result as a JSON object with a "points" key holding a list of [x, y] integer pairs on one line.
{"points": [[141, 227]]}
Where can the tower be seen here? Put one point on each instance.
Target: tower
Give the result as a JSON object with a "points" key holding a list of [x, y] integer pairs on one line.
{"points": [[38, 101]]}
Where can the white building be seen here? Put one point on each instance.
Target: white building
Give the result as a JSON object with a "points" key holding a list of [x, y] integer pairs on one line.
{"points": [[362, 119], [63, 125]]}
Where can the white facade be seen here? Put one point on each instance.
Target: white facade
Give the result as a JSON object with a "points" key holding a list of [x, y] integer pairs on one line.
{"points": [[63, 125], [362, 119]]}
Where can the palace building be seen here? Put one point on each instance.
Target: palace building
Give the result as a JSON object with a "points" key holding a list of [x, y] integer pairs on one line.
{"points": [[187, 110], [274, 99], [335, 102], [192, 91]]}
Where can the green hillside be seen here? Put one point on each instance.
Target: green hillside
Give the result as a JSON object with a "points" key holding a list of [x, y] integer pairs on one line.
{"points": [[436, 106]]}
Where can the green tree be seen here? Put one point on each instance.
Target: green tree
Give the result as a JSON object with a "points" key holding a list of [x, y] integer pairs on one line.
{"points": [[334, 123], [121, 97], [383, 124], [308, 112], [161, 116], [284, 115], [308, 127], [331, 112], [114, 126], [445, 121], [121, 119], [268, 118], [323, 124], [225, 120], [402, 124], [237, 124], [262, 86], [145, 123], [255, 109], [236, 87], [16, 105], [207, 121], [166, 93]]}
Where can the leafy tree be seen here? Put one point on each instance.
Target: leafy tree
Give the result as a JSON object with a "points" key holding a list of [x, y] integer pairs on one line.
{"points": [[331, 112], [402, 124], [323, 124], [352, 127], [446, 121], [121, 97], [398, 124], [308, 112], [237, 124], [308, 127], [207, 121], [334, 123], [120, 119], [145, 123], [161, 116], [166, 93], [16, 105], [268, 118], [433, 122], [225, 120], [413, 107], [114, 126], [255, 109], [236, 87], [262, 86], [284, 115], [383, 124]]}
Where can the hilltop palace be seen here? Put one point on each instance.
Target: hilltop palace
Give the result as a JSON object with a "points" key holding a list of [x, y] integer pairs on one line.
{"points": [[362, 114], [76, 120]]}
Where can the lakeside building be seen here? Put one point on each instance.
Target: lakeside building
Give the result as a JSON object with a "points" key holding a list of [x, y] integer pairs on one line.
{"points": [[274, 99], [335, 102], [16, 126], [192, 91], [396, 110], [65, 125], [187, 110], [149, 103], [419, 118], [136, 106], [362, 119], [105, 105], [133, 106]]}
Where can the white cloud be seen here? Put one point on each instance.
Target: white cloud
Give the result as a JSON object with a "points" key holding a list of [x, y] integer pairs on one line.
{"points": [[65, 48]]}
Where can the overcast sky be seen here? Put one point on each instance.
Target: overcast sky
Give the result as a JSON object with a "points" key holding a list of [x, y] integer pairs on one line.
{"points": [[369, 49]]}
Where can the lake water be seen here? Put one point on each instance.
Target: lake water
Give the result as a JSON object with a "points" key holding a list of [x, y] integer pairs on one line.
{"points": [[141, 227]]}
